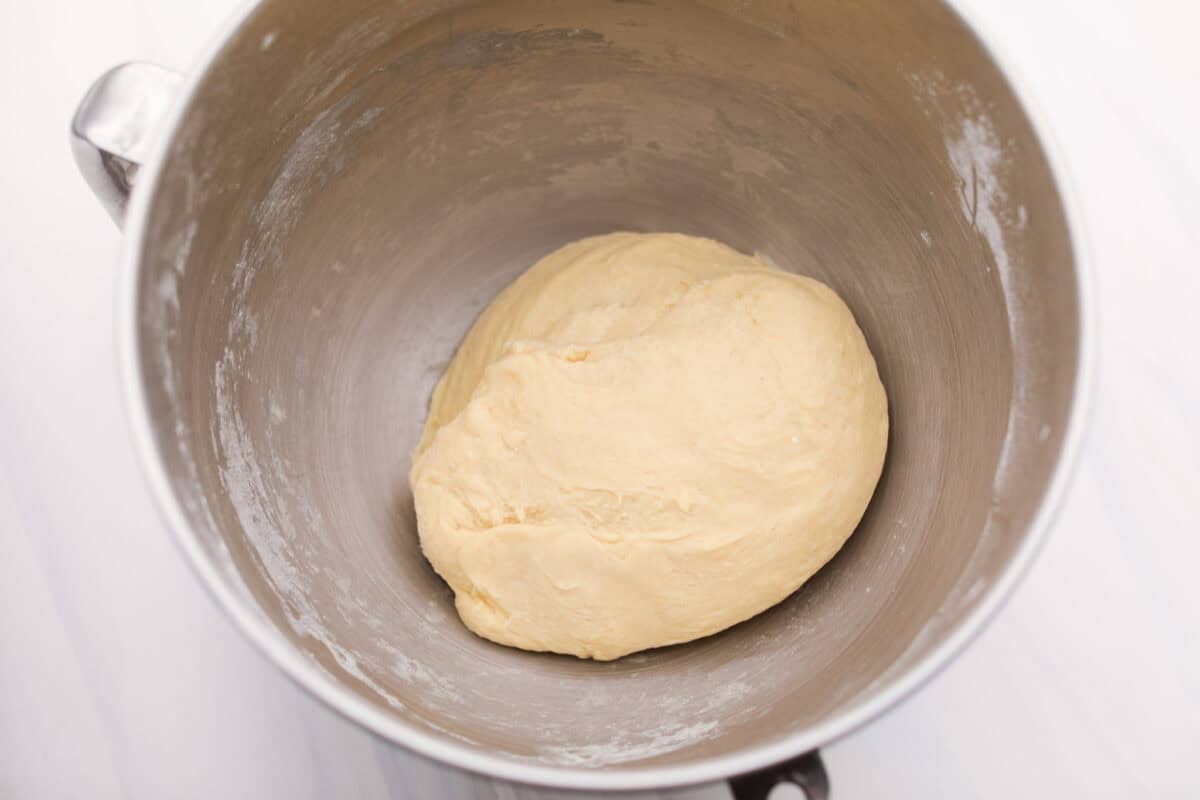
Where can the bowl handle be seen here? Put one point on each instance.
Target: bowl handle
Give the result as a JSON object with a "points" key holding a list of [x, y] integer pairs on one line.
{"points": [[113, 128], [807, 772]]}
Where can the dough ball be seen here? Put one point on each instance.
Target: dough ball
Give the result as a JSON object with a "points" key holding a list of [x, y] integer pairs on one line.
{"points": [[643, 440]]}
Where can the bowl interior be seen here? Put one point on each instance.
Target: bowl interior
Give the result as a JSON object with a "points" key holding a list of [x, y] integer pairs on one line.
{"points": [[352, 184]]}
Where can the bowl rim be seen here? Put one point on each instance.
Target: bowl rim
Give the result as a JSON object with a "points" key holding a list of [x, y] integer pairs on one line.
{"points": [[392, 727]]}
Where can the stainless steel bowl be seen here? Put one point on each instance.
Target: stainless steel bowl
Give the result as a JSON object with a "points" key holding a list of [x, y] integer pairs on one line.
{"points": [[341, 187]]}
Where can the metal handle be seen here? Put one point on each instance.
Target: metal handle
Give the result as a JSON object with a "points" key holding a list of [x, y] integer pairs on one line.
{"points": [[113, 129], [807, 772]]}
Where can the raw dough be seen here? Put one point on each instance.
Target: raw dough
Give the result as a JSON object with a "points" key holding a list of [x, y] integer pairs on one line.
{"points": [[643, 440]]}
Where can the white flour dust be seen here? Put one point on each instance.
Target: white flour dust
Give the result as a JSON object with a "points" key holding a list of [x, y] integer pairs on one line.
{"points": [[269, 525], [980, 159]]}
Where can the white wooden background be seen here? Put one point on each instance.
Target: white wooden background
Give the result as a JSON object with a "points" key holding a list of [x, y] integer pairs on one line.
{"points": [[120, 679]]}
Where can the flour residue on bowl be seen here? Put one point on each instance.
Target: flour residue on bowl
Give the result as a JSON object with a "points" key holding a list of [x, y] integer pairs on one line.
{"points": [[256, 477], [977, 157], [685, 723], [980, 158], [659, 740]]}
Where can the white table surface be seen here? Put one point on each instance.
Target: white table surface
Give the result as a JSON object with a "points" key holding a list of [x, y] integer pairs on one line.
{"points": [[119, 678]]}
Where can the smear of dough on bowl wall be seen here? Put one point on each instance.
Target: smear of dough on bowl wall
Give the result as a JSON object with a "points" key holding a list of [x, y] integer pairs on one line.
{"points": [[646, 439]]}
